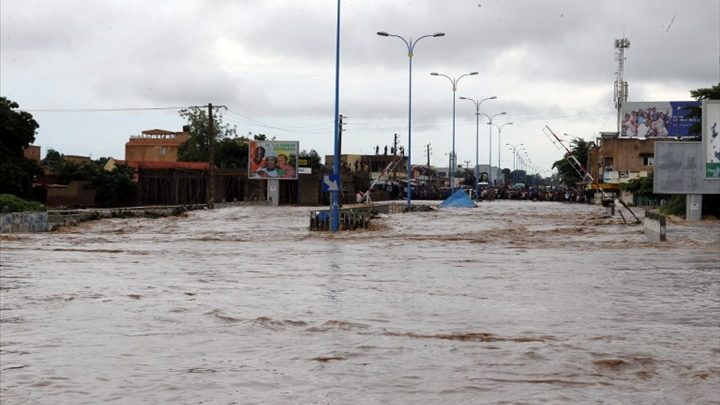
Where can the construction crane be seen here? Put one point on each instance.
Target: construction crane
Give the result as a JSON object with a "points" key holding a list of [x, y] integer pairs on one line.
{"points": [[365, 198], [587, 177]]}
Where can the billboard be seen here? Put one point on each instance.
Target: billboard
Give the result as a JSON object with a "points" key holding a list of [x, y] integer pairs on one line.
{"points": [[680, 169], [273, 160], [711, 138], [657, 119]]}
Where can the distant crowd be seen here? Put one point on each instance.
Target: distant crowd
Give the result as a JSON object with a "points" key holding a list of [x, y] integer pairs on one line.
{"points": [[535, 194]]}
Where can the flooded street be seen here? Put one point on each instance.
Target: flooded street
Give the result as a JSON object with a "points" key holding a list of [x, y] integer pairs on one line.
{"points": [[511, 302]]}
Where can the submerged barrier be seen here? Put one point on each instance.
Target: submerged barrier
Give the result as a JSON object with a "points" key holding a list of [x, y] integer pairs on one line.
{"points": [[654, 225], [358, 217], [24, 222], [350, 218]]}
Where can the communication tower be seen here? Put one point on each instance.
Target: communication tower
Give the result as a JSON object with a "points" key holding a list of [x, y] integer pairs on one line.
{"points": [[621, 86]]}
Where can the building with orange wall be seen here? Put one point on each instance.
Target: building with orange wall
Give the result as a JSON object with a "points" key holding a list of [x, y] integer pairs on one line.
{"points": [[155, 145], [32, 152]]}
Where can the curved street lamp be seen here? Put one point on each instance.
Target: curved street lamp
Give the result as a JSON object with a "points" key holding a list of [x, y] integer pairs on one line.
{"points": [[410, 44], [454, 82], [490, 121], [515, 150], [499, 128], [477, 139]]}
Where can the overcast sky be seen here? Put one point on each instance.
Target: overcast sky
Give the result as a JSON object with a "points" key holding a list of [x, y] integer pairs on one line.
{"points": [[272, 63]]}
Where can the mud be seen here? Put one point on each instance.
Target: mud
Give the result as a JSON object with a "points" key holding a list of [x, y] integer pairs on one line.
{"points": [[511, 302]]}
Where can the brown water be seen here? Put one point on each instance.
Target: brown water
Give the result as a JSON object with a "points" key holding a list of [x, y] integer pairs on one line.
{"points": [[512, 302]]}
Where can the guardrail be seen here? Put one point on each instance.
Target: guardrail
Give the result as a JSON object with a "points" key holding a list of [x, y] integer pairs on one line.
{"points": [[655, 226]]}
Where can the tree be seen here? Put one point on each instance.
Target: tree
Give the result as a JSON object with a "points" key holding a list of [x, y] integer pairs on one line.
{"points": [[568, 175], [112, 188], [518, 176], [196, 149], [711, 93], [312, 157], [506, 175], [232, 153], [17, 131]]}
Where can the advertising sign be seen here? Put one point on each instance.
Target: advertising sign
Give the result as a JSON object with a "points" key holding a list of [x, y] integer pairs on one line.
{"points": [[711, 138], [273, 160], [657, 119], [680, 169]]}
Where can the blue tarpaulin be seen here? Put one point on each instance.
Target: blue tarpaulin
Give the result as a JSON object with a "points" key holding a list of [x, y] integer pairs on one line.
{"points": [[458, 200]]}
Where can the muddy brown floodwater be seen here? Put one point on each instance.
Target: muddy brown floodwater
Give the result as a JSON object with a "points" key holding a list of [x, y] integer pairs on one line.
{"points": [[511, 302]]}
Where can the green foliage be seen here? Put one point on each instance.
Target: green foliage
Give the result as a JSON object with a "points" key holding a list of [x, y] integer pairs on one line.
{"points": [[53, 159], [312, 156], [112, 189], [17, 131], [711, 93], [196, 149], [260, 137], [517, 176], [506, 175], [17, 174], [676, 206], [11, 203], [640, 185], [232, 153], [568, 175]]}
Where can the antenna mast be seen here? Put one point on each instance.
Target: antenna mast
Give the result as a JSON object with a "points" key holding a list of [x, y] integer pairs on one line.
{"points": [[621, 86]]}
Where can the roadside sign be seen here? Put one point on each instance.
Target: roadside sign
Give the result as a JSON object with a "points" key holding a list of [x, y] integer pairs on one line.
{"points": [[330, 182]]}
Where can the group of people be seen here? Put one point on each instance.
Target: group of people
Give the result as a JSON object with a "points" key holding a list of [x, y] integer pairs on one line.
{"points": [[535, 194], [269, 165], [646, 123]]}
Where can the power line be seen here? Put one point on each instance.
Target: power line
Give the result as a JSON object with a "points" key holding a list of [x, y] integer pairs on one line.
{"points": [[83, 110]]}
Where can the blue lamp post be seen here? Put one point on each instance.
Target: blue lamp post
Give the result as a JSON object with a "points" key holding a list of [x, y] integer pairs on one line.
{"points": [[335, 195], [410, 44], [454, 82]]}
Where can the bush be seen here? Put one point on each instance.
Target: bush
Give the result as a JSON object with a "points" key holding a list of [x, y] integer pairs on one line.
{"points": [[676, 206], [11, 203]]}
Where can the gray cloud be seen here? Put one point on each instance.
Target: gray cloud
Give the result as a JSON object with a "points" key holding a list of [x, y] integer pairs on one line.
{"points": [[273, 60]]}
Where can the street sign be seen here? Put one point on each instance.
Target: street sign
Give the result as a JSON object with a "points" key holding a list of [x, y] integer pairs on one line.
{"points": [[330, 182]]}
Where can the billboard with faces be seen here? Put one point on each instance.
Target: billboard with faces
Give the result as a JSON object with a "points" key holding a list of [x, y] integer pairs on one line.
{"points": [[273, 160], [666, 119]]}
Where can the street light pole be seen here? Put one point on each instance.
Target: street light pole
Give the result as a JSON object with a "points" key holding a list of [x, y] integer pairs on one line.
{"points": [[410, 44], [454, 82], [499, 128], [490, 121], [477, 140], [335, 195], [514, 149]]}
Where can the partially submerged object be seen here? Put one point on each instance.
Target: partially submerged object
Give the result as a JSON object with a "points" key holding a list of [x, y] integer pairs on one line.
{"points": [[459, 199]]}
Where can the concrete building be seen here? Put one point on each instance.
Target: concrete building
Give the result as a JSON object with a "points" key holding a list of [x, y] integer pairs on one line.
{"points": [[32, 152], [155, 145], [617, 160]]}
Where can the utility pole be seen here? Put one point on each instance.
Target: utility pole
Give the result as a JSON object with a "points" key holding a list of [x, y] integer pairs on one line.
{"points": [[428, 155], [340, 130], [211, 158], [395, 145]]}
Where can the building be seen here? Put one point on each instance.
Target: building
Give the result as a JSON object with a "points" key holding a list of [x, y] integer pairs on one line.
{"points": [[32, 152], [155, 145], [77, 159], [617, 160]]}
